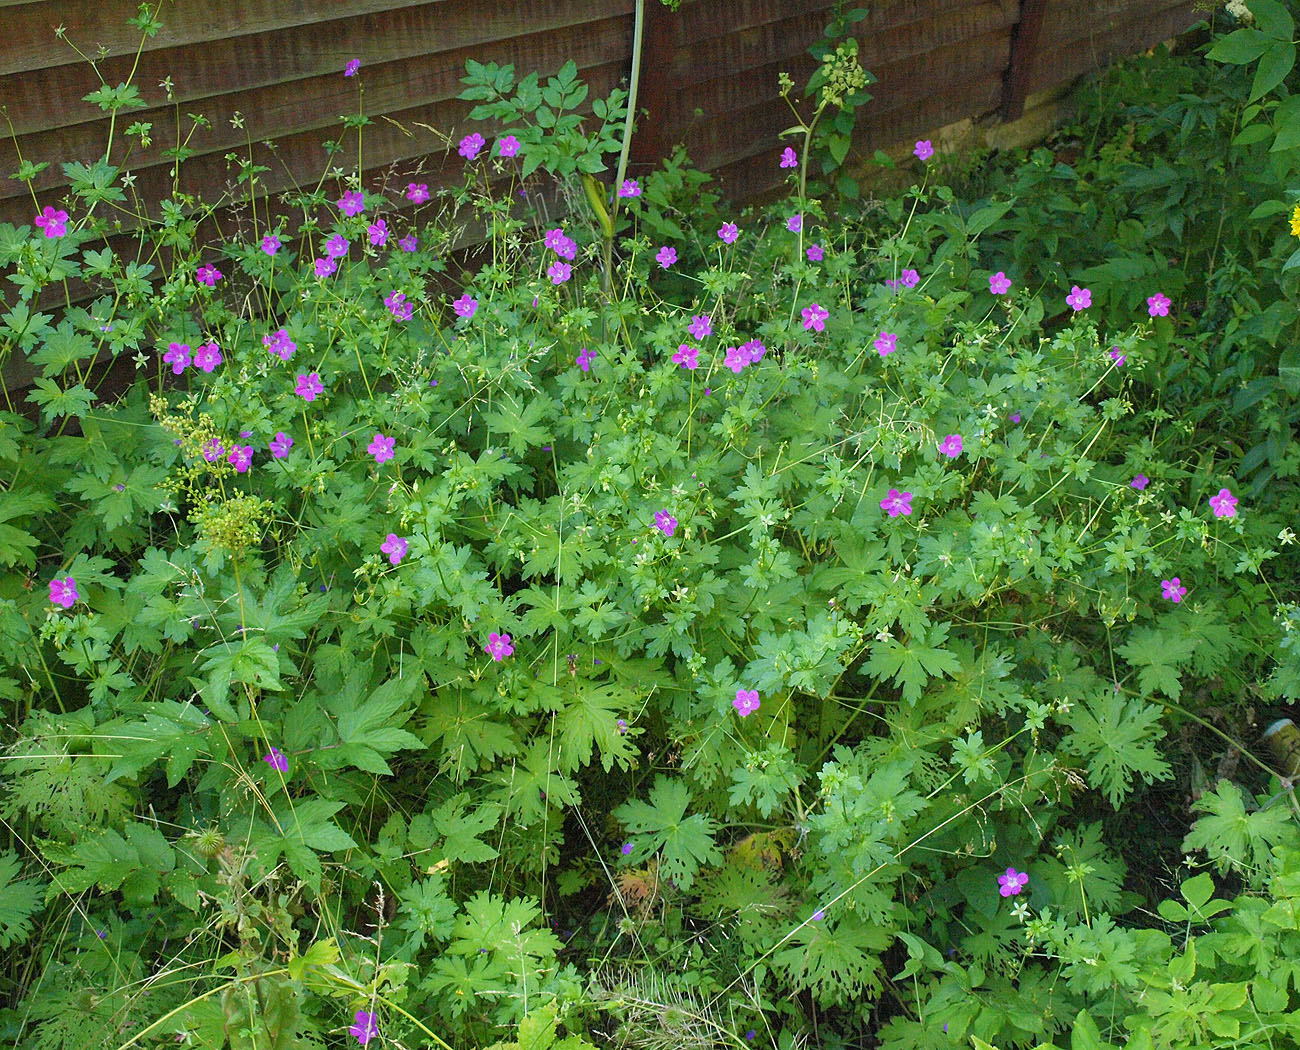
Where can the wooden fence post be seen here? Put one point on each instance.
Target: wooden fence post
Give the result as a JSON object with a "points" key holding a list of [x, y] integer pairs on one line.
{"points": [[1024, 45]]}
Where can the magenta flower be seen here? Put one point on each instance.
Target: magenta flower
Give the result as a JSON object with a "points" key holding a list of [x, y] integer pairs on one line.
{"points": [[897, 503], [417, 192], [999, 283], [795, 223], [910, 279], [350, 70], [789, 159], [728, 232], [886, 343], [701, 326], [242, 457], [626, 849], [207, 356], [280, 344], [465, 306], [352, 203], [951, 446], [365, 1028], [585, 358], [381, 448], [621, 725], [308, 386], [508, 146], [665, 522], [818, 915], [687, 356], [1173, 590], [1139, 482], [395, 547], [336, 247], [666, 256], [746, 702], [208, 274], [398, 306], [1116, 356], [281, 444], [1079, 298], [737, 358], [630, 188], [178, 356], [923, 150], [409, 243], [213, 450], [498, 646], [270, 244], [755, 349], [814, 317], [64, 592], [275, 757], [470, 145], [54, 221], [559, 272], [324, 267], [564, 247], [1012, 882], [1158, 305], [1224, 504], [891, 284], [814, 253], [1014, 417], [378, 232]]}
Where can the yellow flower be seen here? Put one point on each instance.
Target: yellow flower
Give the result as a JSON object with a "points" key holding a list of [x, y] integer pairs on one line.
{"points": [[1295, 220]]}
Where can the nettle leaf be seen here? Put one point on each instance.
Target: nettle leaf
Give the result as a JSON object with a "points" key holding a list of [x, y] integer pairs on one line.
{"points": [[1234, 838], [684, 843], [1117, 739], [20, 901]]}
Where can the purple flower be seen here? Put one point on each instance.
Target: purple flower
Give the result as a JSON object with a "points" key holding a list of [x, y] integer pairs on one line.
{"points": [[417, 192], [701, 326], [270, 244], [381, 448], [630, 188], [337, 246], [1116, 356], [886, 343], [621, 726], [281, 444], [923, 150], [909, 279], [470, 145], [666, 256], [352, 203], [465, 306], [999, 283], [365, 1028], [1139, 482], [394, 546], [324, 267], [1224, 504], [275, 757], [207, 274], [626, 849], [1158, 305], [213, 450], [498, 646], [746, 702], [508, 146], [242, 457], [665, 522], [350, 70], [818, 915], [207, 356], [178, 356], [1172, 589], [814, 253], [1014, 417], [687, 356], [280, 344], [749, 1035], [54, 221], [795, 223], [378, 232], [563, 246], [585, 358], [1079, 298], [728, 232], [64, 592], [814, 317], [1012, 882], [756, 350], [409, 243], [897, 503], [789, 159], [737, 358], [951, 446], [308, 386], [559, 272], [398, 306]]}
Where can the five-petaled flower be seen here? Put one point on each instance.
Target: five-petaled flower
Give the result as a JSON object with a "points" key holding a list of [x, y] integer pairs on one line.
{"points": [[999, 283], [498, 646], [465, 305], [559, 272], [1173, 590], [280, 344], [350, 70], [417, 192], [789, 159], [352, 203], [630, 188], [178, 356], [666, 256], [207, 356], [394, 546], [795, 223], [398, 306], [701, 325], [923, 150], [886, 343], [508, 146], [1117, 357], [1012, 882], [64, 592], [54, 221], [378, 232], [746, 702], [470, 145], [208, 274], [626, 849], [1079, 298], [951, 446], [270, 244], [308, 386], [1158, 305], [324, 267], [687, 356], [737, 358], [213, 450], [665, 522], [365, 1028], [729, 231], [814, 317], [409, 243], [280, 445], [814, 253], [381, 448], [337, 246], [275, 757], [241, 456], [896, 503], [1139, 482], [585, 358], [1224, 504], [909, 279]]}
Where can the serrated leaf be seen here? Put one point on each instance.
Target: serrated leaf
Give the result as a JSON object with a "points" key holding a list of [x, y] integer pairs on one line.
{"points": [[683, 843]]}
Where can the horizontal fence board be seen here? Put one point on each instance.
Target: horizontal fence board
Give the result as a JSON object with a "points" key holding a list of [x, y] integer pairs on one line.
{"points": [[1121, 21]]}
